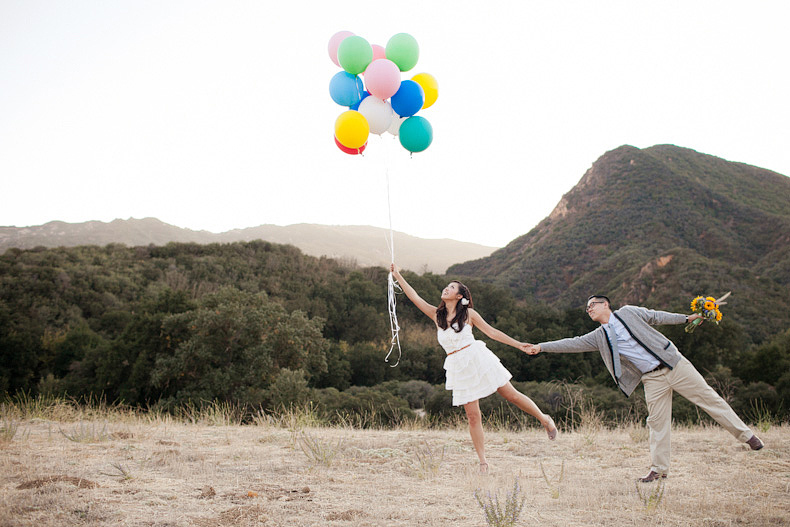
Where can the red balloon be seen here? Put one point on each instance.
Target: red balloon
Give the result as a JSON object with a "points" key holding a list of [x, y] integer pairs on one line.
{"points": [[352, 151]]}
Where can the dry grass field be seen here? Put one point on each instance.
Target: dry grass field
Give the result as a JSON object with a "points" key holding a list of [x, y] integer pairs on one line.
{"points": [[114, 469]]}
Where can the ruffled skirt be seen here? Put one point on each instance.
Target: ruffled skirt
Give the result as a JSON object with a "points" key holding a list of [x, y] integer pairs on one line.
{"points": [[474, 373]]}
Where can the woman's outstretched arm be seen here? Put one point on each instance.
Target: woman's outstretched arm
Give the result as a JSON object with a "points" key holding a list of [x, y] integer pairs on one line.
{"points": [[492, 332], [422, 305]]}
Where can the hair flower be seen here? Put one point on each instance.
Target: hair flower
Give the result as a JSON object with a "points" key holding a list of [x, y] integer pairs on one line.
{"points": [[465, 301]]}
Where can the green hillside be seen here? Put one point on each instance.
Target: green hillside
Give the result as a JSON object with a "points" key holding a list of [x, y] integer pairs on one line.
{"points": [[196, 322], [656, 227]]}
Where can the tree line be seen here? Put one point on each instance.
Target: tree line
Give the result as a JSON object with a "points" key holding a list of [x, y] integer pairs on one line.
{"points": [[265, 326]]}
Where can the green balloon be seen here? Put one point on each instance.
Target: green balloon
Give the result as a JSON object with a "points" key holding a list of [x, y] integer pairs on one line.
{"points": [[403, 50], [354, 54]]}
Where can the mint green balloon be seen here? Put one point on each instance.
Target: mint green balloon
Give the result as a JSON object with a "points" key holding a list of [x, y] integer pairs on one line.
{"points": [[354, 54], [403, 50], [416, 134]]}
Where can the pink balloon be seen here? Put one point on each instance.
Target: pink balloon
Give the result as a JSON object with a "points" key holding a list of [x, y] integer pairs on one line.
{"points": [[378, 52], [382, 78], [334, 43]]}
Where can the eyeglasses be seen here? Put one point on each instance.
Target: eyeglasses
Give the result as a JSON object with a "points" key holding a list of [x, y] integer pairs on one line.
{"points": [[591, 304]]}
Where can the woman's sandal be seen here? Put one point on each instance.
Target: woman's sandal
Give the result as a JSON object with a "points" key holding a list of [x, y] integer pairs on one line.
{"points": [[551, 430]]}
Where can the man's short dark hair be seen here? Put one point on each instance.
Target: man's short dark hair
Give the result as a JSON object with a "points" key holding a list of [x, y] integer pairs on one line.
{"points": [[602, 297]]}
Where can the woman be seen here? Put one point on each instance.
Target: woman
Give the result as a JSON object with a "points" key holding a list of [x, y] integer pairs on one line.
{"points": [[473, 371]]}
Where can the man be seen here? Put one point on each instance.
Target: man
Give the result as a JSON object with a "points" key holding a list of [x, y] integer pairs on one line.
{"points": [[633, 351]]}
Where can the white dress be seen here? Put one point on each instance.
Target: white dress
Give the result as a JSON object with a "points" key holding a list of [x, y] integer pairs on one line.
{"points": [[473, 372]]}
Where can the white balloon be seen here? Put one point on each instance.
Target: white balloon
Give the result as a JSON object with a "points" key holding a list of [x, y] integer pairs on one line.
{"points": [[378, 113], [394, 128]]}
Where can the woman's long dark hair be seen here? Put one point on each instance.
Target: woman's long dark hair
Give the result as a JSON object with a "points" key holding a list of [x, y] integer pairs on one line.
{"points": [[461, 310]]}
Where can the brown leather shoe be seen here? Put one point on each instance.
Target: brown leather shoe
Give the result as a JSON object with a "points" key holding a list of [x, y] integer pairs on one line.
{"points": [[755, 443], [652, 476]]}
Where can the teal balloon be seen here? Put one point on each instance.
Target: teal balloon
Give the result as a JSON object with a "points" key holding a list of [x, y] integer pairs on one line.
{"points": [[403, 50], [354, 54], [416, 134]]}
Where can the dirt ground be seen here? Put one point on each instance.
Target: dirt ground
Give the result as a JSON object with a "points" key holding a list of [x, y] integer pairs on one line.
{"points": [[166, 473]]}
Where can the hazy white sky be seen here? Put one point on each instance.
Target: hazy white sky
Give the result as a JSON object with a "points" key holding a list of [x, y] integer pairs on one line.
{"points": [[217, 115]]}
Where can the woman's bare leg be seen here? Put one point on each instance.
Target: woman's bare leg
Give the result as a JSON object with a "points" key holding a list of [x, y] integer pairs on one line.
{"points": [[476, 431], [528, 405]]}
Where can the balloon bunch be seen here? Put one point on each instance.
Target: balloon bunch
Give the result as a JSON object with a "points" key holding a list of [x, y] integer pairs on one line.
{"points": [[383, 102]]}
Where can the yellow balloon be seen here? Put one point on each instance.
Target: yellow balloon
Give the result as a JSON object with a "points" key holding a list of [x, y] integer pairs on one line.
{"points": [[429, 86], [352, 129]]}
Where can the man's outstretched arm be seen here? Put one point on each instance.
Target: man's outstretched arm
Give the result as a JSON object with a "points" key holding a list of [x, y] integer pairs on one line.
{"points": [[579, 344]]}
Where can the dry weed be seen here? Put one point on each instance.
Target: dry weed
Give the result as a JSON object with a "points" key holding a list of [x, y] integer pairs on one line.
{"points": [[553, 482], [638, 432], [86, 432], [650, 494], [427, 461], [9, 424], [318, 452], [119, 470]]}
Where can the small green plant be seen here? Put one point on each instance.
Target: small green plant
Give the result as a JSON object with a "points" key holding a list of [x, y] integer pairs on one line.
{"points": [[761, 415], [554, 485], [428, 460], [121, 472], [318, 452], [651, 494], [9, 425], [501, 514], [8, 430], [86, 433]]}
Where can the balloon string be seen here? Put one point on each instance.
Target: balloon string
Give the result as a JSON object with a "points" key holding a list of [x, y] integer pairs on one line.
{"points": [[391, 285]]}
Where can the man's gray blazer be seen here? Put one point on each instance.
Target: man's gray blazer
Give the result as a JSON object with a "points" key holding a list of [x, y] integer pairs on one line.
{"points": [[638, 322]]}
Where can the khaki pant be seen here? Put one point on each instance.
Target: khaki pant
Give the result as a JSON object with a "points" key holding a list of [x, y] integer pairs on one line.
{"points": [[687, 381]]}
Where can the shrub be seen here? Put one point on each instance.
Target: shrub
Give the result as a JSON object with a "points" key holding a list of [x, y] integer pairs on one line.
{"points": [[362, 406]]}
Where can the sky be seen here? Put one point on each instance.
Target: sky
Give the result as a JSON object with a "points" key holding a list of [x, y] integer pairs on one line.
{"points": [[216, 115]]}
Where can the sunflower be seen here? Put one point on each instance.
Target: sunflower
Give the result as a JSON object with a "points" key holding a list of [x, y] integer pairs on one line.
{"points": [[694, 303], [718, 315], [710, 305]]}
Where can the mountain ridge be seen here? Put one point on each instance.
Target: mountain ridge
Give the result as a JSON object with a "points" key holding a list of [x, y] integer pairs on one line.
{"points": [[653, 226], [358, 244]]}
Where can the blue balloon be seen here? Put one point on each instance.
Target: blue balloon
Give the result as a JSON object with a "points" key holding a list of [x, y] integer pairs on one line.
{"points": [[355, 107], [408, 99], [346, 89], [416, 134]]}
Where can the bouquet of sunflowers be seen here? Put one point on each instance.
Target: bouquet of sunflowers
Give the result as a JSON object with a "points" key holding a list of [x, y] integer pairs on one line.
{"points": [[708, 307]]}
